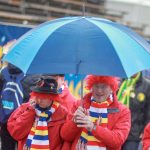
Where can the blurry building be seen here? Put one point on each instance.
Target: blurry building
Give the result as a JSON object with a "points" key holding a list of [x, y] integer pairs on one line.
{"points": [[136, 16], [37, 11]]}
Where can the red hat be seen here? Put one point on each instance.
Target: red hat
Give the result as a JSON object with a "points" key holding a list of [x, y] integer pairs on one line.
{"points": [[108, 80]]}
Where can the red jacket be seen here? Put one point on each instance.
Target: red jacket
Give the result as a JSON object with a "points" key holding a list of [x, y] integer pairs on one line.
{"points": [[119, 123], [146, 137], [21, 120], [67, 99]]}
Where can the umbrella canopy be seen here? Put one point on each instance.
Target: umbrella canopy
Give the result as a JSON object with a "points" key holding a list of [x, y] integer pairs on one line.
{"points": [[81, 45]]}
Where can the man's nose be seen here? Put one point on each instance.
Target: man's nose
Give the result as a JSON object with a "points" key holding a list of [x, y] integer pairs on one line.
{"points": [[99, 89]]}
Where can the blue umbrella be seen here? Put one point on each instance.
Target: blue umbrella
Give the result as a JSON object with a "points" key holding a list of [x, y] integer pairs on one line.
{"points": [[81, 45]]}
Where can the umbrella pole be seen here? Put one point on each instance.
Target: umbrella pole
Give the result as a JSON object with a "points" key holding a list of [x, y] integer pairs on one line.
{"points": [[77, 70], [81, 89]]}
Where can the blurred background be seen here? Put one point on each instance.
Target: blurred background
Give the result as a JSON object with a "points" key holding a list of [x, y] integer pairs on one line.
{"points": [[133, 13]]}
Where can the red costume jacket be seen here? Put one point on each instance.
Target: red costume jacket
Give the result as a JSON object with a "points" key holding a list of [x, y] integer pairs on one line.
{"points": [[146, 137], [67, 99], [21, 121], [119, 123]]}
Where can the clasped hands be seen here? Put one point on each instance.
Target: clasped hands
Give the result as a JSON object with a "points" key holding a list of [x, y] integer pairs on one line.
{"points": [[82, 119]]}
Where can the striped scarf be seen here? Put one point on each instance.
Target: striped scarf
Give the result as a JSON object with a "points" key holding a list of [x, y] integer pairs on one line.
{"points": [[96, 110], [126, 89], [38, 137]]}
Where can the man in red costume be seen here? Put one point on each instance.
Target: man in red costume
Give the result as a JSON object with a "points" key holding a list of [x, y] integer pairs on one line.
{"points": [[101, 122], [36, 124]]}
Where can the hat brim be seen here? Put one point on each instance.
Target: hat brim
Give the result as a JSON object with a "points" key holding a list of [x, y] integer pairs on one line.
{"points": [[46, 91]]}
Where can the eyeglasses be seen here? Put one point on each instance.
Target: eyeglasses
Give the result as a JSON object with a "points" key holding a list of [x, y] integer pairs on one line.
{"points": [[100, 86]]}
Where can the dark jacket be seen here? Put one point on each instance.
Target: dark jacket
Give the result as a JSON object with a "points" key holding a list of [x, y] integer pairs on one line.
{"points": [[27, 82], [140, 108]]}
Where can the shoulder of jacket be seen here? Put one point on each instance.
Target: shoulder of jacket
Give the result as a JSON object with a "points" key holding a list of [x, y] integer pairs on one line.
{"points": [[123, 108]]}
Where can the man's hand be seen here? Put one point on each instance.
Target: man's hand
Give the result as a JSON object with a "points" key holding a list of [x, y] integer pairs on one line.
{"points": [[81, 145], [85, 123], [83, 120], [79, 113], [32, 102]]}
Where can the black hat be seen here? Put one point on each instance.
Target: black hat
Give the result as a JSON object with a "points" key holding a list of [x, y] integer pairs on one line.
{"points": [[46, 85]]}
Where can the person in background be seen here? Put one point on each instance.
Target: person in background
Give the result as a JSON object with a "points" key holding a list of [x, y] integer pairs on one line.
{"points": [[146, 73], [7, 142], [146, 138], [10, 81], [68, 100], [99, 120], [134, 92], [39, 119]]}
